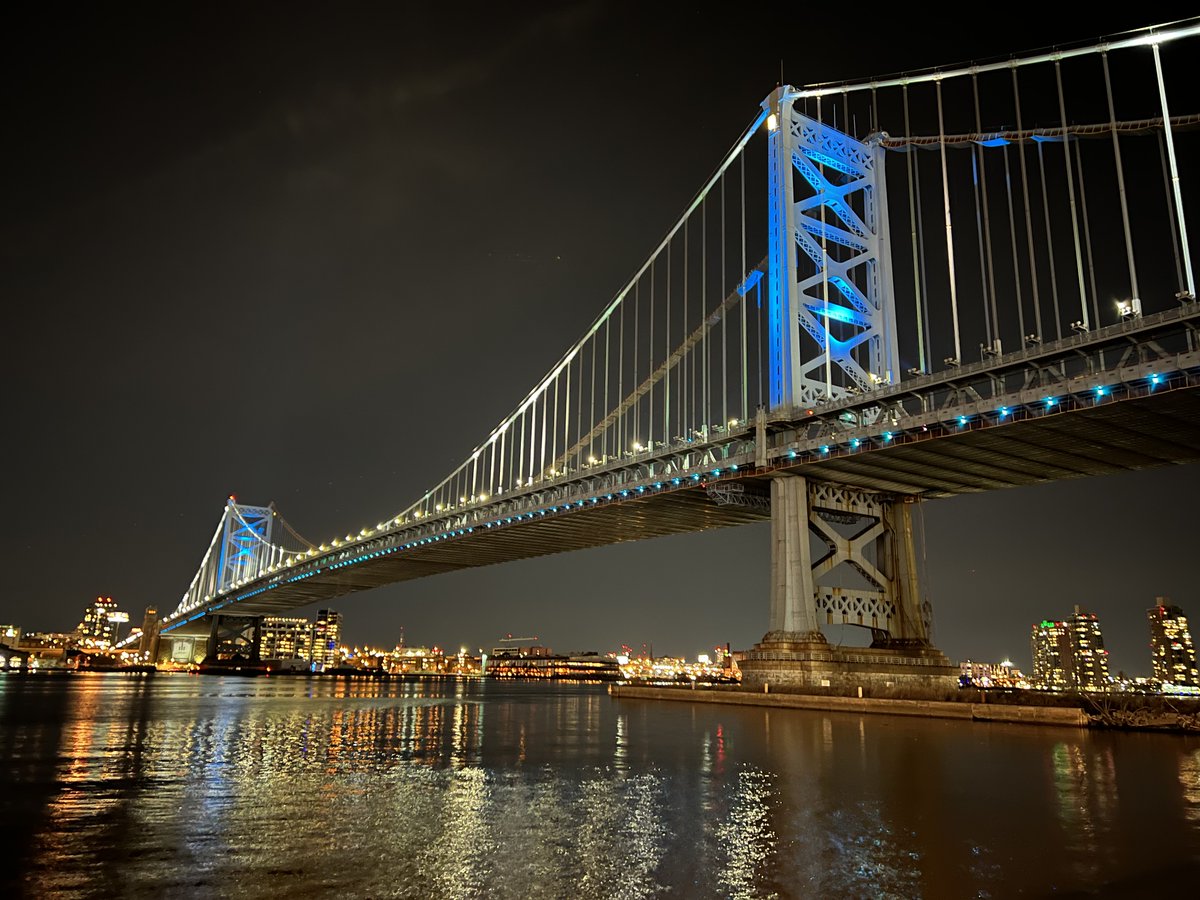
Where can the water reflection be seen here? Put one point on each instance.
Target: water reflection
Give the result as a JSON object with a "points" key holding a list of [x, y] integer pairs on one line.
{"points": [[186, 786], [745, 837], [1189, 781]]}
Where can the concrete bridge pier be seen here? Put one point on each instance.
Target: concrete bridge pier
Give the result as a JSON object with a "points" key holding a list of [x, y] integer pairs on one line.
{"points": [[863, 573]]}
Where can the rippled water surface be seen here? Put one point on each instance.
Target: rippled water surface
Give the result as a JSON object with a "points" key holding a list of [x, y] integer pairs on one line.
{"points": [[193, 786]]}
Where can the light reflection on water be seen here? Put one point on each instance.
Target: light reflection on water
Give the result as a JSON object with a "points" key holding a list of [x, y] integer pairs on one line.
{"points": [[204, 787]]}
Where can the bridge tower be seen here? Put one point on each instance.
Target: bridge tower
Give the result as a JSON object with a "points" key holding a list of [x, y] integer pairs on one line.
{"points": [[832, 334], [831, 316]]}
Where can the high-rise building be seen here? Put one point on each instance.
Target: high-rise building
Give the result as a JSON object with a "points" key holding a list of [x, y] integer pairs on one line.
{"points": [[286, 637], [1070, 655], [1046, 644], [1174, 656], [327, 634], [99, 625]]}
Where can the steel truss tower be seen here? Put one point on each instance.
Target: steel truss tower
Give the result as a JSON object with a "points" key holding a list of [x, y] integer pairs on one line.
{"points": [[246, 546], [832, 328]]}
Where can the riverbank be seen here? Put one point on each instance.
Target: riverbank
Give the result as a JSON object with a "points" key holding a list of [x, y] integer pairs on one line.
{"points": [[1072, 717]]}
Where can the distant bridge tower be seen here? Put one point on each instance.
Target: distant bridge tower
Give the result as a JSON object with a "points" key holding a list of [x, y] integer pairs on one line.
{"points": [[246, 546], [832, 324], [241, 549]]}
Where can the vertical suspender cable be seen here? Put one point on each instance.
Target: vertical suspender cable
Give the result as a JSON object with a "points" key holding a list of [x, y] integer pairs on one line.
{"points": [[1087, 233], [506, 450], [667, 358], [824, 276], [949, 226], [542, 467], [1049, 242], [566, 421], [637, 403], [1016, 265], [687, 373], [592, 416], [650, 368], [533, 434], [607, 378], [909, 162], [1170, 138], [554, 429], [724, 330], [1033, 278], [579, 411], [621, 424], [1062, 115], [1112, 124], [492, 465], [987, 320], [1162, 154], [520, 448], [745, 378], [987, 222], [702, 419], [497, 485]]}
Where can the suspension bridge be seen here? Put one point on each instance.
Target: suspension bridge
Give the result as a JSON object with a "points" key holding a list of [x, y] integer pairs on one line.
{"points": [[889, 290]]}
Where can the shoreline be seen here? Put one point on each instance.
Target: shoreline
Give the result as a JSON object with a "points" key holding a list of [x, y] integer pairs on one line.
{"points": [[1069, 717]]}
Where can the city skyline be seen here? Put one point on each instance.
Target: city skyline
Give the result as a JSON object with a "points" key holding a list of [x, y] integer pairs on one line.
{"points": [[1167, 621], [305, 220]]}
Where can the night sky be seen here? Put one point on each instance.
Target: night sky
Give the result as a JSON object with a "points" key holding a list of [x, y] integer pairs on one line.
{"points": [[311, 254]]}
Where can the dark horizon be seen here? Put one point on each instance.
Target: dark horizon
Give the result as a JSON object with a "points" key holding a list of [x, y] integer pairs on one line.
{"points": [[310, 256]]}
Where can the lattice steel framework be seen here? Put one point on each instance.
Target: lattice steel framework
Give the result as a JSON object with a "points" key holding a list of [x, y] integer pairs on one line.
{"points": [[245, 542], [878, 546], [241, 549], [830, 271]]}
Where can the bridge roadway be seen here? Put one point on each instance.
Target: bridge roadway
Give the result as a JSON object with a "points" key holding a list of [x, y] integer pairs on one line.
{"points": [[1122, 398]]}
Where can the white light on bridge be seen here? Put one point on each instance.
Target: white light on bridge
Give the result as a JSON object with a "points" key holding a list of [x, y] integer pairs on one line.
{"points": [[1129, 309]]}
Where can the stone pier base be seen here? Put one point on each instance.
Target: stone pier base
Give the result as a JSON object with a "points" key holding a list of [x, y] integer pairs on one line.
{"points": [[810, 664]]}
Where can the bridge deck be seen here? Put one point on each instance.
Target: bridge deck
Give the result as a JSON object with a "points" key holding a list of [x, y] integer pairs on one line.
{"points": [[1136, 433]]}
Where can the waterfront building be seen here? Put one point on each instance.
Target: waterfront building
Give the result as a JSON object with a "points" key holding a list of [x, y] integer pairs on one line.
{"points": [[1173, 655], [406, 659], [286, 637], [579, 667], [10, 635], [991, 675], [327, 633], [1070, 655], [99, 626], [1046, 643]]}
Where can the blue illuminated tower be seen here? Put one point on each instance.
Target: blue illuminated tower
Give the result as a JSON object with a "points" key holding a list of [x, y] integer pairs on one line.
{"points": [[831, 316]]}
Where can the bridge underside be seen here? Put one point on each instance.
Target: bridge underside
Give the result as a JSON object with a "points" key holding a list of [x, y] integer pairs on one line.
{"points": [[1142, 433], [1134, 434], [630, 520]]}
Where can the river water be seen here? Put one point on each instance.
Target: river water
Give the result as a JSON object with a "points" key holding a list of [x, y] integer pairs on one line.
{"points": [[195, 786]]}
